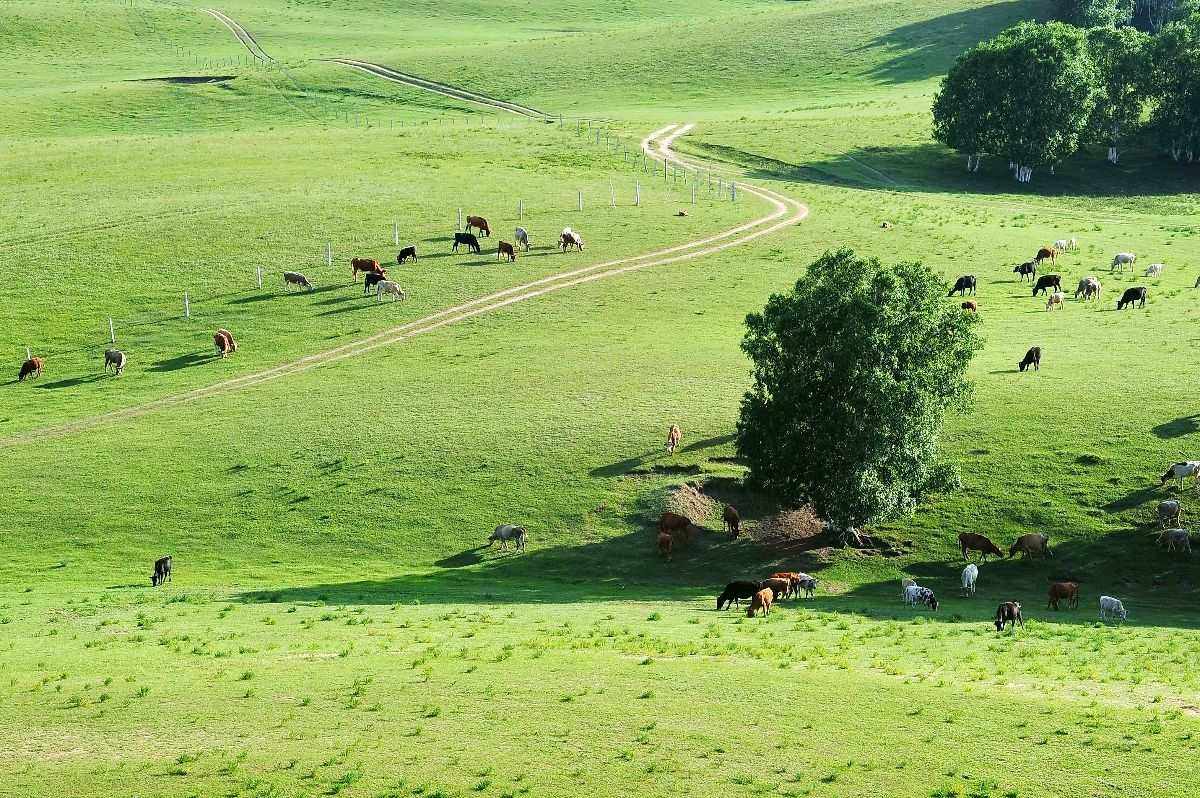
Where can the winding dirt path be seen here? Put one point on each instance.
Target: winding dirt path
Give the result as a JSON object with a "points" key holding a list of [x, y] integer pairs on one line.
{"points": [[784, 212]]}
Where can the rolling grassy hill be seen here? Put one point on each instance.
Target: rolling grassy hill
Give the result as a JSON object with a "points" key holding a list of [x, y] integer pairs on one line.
{"points": [[336, 625]]}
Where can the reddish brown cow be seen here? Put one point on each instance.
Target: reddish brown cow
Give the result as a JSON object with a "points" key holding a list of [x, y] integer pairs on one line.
{"points": [[671, 523], [971, 305], [664, 544], [733, 521], [363, 265], [224, 343], [1064, 590], [780, 586], [673, 438], [31, 368], [505, 249], [761, 601], [1046, 253], [479, 223], [980, 543]]}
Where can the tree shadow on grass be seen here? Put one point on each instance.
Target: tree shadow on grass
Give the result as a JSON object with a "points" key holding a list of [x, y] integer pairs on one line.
{"points": [[708, 443], [182, 361], [1177, 428]]}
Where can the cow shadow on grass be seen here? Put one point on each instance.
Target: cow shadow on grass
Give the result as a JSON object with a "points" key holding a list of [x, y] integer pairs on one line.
{"points": [[70, 382], [183, 361]]}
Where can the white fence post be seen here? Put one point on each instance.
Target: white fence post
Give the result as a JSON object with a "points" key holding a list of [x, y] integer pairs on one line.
{"points": [[612, 195], [637, 193], [458, 224], [258, 276], [693, 193], [395, 234], [579, 195], [187, 306], [112, 333], [28, 354]]}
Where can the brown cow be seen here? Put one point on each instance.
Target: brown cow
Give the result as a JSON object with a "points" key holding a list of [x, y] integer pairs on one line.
{"points": [[1046, 253], [1009, 612], [664, 544], [670, 523], [673, 438], [31, 368], [781, 587], [792, 578], [733, 521], [761, 601], [479, 223], [1064, 590], [1033, 543], [224, 343], [969, 541], [971, 305], [506, 249], [363, 265]]}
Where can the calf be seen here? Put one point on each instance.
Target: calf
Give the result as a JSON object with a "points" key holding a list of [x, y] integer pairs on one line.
{"points": [[1031, 544], [1169, 512], [1063, 590], [1046, 282], [1154, 270], [1112, 608], [971, 305], [734, 592], [733, 521], [373, 279], [963, 284], [408, 253], [761, 601], [1132, 296], [970, 541], [505, 250], [1008, 613], [1176, 540], [297, 279], [1057, 298], [467, 240], [390, 288], [162, 571], [1032, 358], [1027, 270], [670, 523], [116, 359], [522, 238], [673, 438], [31, 368], [664, 544]]}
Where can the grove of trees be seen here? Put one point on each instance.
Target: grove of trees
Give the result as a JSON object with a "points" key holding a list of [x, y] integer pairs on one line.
{"points": [[1037, 93]]}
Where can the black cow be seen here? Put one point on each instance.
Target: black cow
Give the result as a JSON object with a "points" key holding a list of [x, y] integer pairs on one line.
{"points": [[1047, 281], [962, 284], [736, 591], [405, 254], [1008, 613], [1032, 358], [469, 239], [1027, 270], [371, 280], [162, 571], [1136, 294]]}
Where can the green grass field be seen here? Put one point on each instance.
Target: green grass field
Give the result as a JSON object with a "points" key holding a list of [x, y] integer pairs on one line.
{"points": [[337, 627]]}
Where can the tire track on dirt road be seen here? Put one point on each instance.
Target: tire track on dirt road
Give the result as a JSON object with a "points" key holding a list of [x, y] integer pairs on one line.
{"points": [[784, 212]]}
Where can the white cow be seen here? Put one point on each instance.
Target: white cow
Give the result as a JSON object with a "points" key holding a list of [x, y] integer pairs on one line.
{"points": [[522, 237], [507, 532], [1123, 259], [1089, 288], [905, 584], [389, 287], [1062, 244], [1112, 607], [1154, 270], [969, 575], [1170, 511], [1181, 471], [1177, 540], [1057, 298]]}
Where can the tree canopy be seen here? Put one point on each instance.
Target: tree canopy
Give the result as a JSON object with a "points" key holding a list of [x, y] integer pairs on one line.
{"points": [[854, 371]]}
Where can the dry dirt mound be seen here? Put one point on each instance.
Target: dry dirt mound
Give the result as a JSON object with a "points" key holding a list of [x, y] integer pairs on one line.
{"points": [[789, 528], [690, 500]]}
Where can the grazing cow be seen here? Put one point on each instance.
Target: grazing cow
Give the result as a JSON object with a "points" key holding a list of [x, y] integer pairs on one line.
{"points": [[31, 368], [373, 279], [505, 250], [1009, 613], [915, 594], [507, 532], [296, 278], [1113, 608], [389, 287], [780, 587], [162, 571], [1046, 282], [1088, 288], [808, 584], [1135, 295], [1181, 471], [116, 359], [969, 575], [1169, 512], [970, 541], [1028, 545], [1063, 590], [1027, 270], [734, 592], [971, 305], [363, 265], [406, 254], [963, 284], [1046, 253], [466, 239], [792, 578], [733, 521], [1061, 245], [905, 584], [673, 438], [224, 343], [1123, 259], [1154, 270], [672, 523], [664, 544], [1032, 358], [569, 238], [522, 237], [1057, 298], [760, 601], [1176, 540], [480, 224]]}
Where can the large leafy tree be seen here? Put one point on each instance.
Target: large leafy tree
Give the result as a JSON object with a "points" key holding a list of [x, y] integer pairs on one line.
{"points": [[1176, 84], [1123, 71], [1094, 13], [854, 371], [1041, 88]]}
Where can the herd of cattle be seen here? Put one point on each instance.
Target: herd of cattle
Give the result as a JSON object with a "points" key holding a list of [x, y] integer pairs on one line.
{"points": [[375, 279]]}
